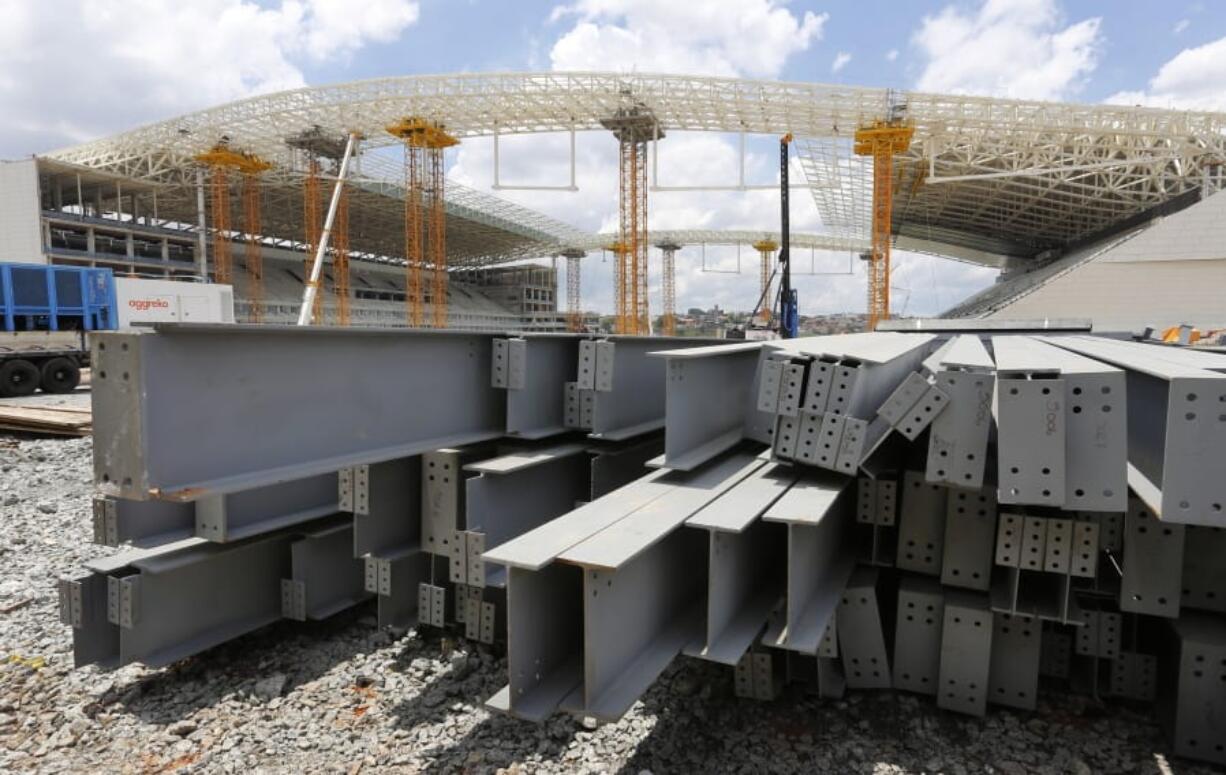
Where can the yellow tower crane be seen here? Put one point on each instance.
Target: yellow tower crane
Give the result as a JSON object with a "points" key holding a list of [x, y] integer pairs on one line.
{"points": [[882, 140], [425, 216], [220, 159]]}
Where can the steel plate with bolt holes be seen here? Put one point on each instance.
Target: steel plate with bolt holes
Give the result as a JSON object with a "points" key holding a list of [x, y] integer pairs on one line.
{"points": [[1096, 461], [921, 525], [970, 531], [917, 637], [860, 634], [904, 397], [887, 502], [818, 386], [432, 605], [866, 501], [787, 432], [829, 439], [1153, 562], [1100, 635], [931, 405], [1083, 561], [808, 440], [966, 653], [843, 384], [1134, 676], [1031, 441], [829, 646], [1056, 653], [586, 376], [768, 385], [1200, 699], [1034, 542], [851, 446], [1057, 553], [440, 500], [1013, 679], [1009, 540], [791, 388], [1204, 572], [958, 440]]}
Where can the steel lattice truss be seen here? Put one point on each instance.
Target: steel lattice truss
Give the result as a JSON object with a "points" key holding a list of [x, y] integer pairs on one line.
{"points": [[1003, 176], [720, 237]]}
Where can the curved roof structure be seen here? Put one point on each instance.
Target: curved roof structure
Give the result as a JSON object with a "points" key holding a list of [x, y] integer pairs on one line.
{"points": [[990, 176]]}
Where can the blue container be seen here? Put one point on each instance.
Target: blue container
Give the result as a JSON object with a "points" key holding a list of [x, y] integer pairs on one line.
{"points": [[39, 297]]}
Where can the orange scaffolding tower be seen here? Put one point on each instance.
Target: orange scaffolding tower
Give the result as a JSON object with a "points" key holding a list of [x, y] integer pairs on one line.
{"points": [[668, 288], [633, 127], [882, 140], [220, 160], [425, 217]]}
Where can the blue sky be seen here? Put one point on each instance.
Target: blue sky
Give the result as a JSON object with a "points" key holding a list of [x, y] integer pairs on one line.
{"points": [[153, 59]]}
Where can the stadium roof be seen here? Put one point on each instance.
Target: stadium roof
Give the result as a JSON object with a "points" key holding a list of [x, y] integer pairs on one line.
{"points": [[983, 178]]}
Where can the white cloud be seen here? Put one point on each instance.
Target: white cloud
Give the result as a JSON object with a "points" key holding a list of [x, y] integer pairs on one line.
{"points": [[71, 70], [840, 61], [716, 37], [1008, 48], [1194, 79], [891, 55], [1180, 26]]}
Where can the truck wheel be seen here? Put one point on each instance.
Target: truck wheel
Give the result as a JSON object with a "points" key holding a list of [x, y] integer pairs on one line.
{"points": [[60, 375], [18, 378]]}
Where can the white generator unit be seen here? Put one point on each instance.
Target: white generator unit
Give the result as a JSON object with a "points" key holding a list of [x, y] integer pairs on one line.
{"points": [[168, 301]]}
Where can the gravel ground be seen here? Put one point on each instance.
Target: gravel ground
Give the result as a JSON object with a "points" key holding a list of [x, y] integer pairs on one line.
{"points": [[340, 696]]}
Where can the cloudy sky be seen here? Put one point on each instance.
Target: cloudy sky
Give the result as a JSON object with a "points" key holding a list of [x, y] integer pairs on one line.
{"points": [[71, 70]]}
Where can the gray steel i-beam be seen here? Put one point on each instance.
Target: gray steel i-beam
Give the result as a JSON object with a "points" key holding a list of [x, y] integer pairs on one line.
{"points": [[629, 386], [819, 513], [325, 578], [385, 500], [710, 399], [1176, 430], [746, 559], [534, 370], [216, 517], [186, 409], [513, 494]]}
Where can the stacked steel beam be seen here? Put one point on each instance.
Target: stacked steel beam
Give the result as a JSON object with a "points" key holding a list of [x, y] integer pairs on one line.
{"points": [[970, 515]]}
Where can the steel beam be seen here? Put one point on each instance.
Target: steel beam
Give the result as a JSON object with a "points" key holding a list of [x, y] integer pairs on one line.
{"points": [[267, 404], [1153, 563], [966, 653], [513, 494], [1013, 674], [324, 576], [921, 525], [819, 512], [629, 397], [385, 500], [396, 578], [1176, 430], [917, 634], [534, 369], [710, 399], [120, 521]]}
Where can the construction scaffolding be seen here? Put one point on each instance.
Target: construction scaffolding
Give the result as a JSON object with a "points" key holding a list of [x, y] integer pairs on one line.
{"points": [[633, 127], [574, 308], [425, 218], [220, 160], [668, 288], [882, 140]]}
